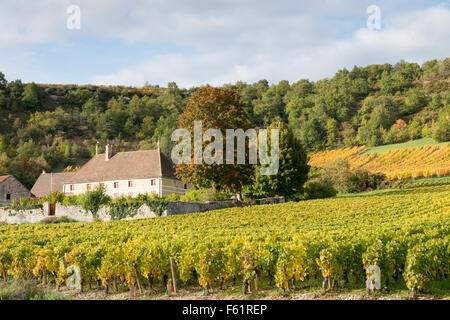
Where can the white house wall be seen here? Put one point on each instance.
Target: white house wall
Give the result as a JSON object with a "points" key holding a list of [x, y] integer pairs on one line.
{"points": [[162, 187]]}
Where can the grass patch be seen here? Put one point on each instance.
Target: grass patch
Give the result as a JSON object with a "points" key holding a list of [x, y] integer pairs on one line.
{"points": [[53, 220], [27, 290]]}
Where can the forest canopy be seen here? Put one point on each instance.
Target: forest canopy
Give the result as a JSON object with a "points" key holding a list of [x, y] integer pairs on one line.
{"points": [[50, 127]]}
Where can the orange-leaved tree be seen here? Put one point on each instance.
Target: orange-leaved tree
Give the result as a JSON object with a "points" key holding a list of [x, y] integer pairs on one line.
{"points": [[216, 108]]}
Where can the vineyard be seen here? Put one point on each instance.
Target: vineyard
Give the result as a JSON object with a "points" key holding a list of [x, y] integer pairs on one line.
{"points": [[398, 164], [406, 233]]}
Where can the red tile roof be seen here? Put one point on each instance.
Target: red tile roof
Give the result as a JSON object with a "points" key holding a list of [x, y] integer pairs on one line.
{"points": [[3, 178]]}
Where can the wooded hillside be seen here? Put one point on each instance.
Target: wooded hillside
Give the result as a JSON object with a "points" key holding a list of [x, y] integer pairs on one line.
{"points": [[53, 126]]}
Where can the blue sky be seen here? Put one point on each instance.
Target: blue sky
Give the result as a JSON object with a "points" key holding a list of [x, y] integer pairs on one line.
{"points": [[215, 42]]}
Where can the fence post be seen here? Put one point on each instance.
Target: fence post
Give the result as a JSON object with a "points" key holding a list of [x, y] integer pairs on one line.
{"points": [[174, 278]]}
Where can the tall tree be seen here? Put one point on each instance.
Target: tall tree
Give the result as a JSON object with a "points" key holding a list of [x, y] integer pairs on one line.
{"points": [[216, 108], [293, 167]]}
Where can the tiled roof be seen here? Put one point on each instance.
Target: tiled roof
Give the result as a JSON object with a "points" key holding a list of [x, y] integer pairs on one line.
{"points": [[42, 186], [3, 178], [125, 165]]}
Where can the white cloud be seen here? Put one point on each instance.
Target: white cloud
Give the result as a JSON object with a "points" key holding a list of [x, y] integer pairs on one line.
{"points": [[215, 42], [416, 36]]}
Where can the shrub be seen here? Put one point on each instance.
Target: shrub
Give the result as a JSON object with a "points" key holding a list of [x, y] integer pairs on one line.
{"points": [[24, 204], [316, 189], [93, 200], [173, 197], [54, 197], [123, 207], [338, 175], [53, 220], [364, 180], [206, 195], [345, 180], [72, 200], [153, 201], [26, 290], [193, 195]]}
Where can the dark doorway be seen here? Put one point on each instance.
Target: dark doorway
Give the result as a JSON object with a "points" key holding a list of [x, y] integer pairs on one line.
{"points": [[52, 209], [8, 196]]}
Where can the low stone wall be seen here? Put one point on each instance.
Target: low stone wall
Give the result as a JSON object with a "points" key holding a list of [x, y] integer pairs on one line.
{"points": [[73, 212], [22, 216], [180, 207], [77, 212]]}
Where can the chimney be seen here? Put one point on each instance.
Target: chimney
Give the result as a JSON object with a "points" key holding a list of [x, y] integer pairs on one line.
{"points": [[96, 149], [108, 152], [43, 171]]}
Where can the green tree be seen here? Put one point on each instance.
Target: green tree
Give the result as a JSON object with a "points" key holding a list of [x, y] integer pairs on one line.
{"points": [[293, 167], [93, 200], [332, 132], [415, 101], [30, 97], [436, 102], [441, 128]]}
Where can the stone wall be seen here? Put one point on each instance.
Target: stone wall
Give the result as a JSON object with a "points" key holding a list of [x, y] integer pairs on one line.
{"points": [[22, 216], [77, 212], [12, 187]]}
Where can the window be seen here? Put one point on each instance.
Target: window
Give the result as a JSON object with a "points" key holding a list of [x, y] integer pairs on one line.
{"points": [[130, 184], [72, 187], [153, 182], [89, 187], [116, 185], [185, 186], [8, 196]]}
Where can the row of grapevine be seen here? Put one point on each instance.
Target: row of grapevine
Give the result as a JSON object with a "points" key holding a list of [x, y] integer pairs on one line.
{"points": [[406, 234], [399, 164]]}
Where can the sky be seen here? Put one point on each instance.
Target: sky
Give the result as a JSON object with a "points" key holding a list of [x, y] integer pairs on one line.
{"points": [[212, 42]]}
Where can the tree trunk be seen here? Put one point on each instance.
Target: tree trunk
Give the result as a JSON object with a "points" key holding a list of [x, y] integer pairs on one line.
{"points": [[413, 293], [150, 284], [244, 287], [133, 291], [139, 284], [324, 284], [115, 283]]}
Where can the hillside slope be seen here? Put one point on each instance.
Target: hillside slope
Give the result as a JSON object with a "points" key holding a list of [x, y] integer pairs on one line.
{"points": [[399, 161], [49, 127]]}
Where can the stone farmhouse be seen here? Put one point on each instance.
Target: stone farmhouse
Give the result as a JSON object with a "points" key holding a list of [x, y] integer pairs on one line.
{"points": [[49, 182], [127, 174], [11, 189]]}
